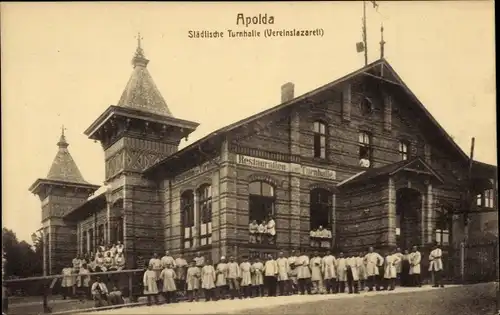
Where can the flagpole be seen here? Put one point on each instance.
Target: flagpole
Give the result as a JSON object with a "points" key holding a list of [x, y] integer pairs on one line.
{"points": [[364, 33]]}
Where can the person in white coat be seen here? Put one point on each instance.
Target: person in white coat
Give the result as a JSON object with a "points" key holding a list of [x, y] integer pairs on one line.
{"points": [[372, 262], [233, 278], [168, 276], [415, 260], [270, 275], [246, 277], [208, 280], [303, 274], [292, 273], [352, 274], [316, 277], [399, 266], [390, 269], [271, 230], [361, 270], [150, 284], [193, 275], [283, 269], [436, 265], [221, 283], [329, 273], [341, 272], [258, 277]]}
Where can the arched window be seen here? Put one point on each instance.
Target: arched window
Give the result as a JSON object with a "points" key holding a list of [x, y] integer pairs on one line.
{"points": [[319, 140], [321, 208], [403, 150], [365, 149], [187, 218], [205, 209], [261, 201]]}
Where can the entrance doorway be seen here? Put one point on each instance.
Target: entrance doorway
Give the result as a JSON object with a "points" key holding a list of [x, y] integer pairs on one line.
{"points": [[408, 222]]}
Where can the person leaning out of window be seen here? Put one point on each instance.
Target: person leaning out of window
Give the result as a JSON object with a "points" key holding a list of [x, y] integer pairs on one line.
{"points": [[271, 229], [253, 229]]}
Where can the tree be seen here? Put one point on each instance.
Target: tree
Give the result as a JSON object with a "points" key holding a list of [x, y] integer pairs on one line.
{"points": [[22, 259]]}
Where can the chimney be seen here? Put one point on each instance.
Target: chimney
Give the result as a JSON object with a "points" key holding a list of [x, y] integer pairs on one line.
{"points": [[287, 90]]}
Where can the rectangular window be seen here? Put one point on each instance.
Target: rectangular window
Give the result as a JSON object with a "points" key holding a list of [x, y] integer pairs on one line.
{"points": [[205, 207], [488, 198], [403, 150], [85, 243], [91, 245], [319, 140], [479, 200], [100, 235], [187, 219], [442, 237], [365, 149]]}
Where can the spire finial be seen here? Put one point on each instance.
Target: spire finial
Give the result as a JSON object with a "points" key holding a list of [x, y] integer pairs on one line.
{"points": [[139, 58], [382, 42], [62, 140]]}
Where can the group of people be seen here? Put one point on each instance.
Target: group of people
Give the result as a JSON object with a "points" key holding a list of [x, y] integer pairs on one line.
{"points": [[320, 237], [263, 232], [78, 282], [297, 273]]}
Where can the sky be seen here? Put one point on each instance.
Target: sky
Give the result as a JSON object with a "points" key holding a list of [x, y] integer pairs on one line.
{"points": [[65, 63]]}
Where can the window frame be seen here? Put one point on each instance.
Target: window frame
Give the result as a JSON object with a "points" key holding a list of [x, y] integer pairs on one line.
{"points": [[404, 150], [442, 229], [365, 140], [488, 199], [316, 202], [320, 132], [205, 201], [264, 201], [187, 218]]}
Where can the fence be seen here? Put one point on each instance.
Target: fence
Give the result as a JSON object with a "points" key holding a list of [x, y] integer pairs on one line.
{"points": [[48, 294], [479, 262]]}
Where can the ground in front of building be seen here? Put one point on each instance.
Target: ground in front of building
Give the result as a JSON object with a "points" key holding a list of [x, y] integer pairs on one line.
{"points": [[456, 300]]}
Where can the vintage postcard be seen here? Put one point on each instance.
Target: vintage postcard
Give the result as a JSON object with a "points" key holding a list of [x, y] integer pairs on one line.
{"points": [[249, 158]]}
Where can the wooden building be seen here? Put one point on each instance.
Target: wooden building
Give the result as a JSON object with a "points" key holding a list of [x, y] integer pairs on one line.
{"points": [[360, 156]]}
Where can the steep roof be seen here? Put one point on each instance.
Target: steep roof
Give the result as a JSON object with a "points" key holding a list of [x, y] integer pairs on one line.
{"points": [[378, 64], [64, 167], [141, 92]]}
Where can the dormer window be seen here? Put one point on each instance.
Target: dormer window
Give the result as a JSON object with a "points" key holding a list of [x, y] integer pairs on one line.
{"points": [[403, 150], [319, 140], [365, 149]]}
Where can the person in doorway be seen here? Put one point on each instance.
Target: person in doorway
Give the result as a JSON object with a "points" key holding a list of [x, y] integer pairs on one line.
{"points": [[246, 277], [329, 273], [303, 274], [258, 277], [233, 278], [271, 230], [167, 276], [99, 292], [221, 282], [436, 265], [150, 285], [415, 259], [253, 229], [193, 275], [208, 280]]}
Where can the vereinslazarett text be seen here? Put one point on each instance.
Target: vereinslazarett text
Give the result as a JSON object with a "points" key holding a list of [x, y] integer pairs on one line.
{"points": [[267, 33]]}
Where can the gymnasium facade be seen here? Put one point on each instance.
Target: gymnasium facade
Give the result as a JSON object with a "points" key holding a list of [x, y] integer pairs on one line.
{"points": [[360, 157]]}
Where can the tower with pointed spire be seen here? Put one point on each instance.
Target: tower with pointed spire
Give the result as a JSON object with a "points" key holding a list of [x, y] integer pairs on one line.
{"points": [[60, 191], [135, 134]]}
